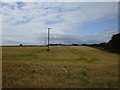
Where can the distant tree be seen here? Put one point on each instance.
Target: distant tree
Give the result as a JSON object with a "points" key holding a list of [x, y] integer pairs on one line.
{"points": [[21, 45], [102, 44], [74, 44], [114, 43], [84, 44]]}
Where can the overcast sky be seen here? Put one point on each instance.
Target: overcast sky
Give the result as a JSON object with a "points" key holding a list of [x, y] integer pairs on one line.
{"points": [[74, 22]]}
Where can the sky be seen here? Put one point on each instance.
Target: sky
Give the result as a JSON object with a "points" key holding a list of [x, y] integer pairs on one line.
{"points": [[71, 22]]}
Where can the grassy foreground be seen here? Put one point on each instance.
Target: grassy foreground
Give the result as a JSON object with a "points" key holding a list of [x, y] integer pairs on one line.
{"points": [[62, 67]]}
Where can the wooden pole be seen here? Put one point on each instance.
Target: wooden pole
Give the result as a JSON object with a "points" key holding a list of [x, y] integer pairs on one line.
{"points": [[48, 38]]}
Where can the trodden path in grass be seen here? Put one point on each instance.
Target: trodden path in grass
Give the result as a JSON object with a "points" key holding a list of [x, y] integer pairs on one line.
{"points": [[61, 67]]}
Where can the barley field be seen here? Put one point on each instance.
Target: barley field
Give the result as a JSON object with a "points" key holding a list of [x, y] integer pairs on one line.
{"points": [[61, 67]]}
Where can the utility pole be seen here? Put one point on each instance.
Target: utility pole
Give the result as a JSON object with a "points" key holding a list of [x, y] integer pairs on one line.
{"points": [[48, 38]]}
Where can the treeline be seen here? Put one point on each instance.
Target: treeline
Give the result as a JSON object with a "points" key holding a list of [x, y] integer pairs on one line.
{"points": [[113, 45], [65, 45]]}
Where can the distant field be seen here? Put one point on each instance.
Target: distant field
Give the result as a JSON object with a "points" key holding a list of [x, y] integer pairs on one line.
{"points": [[62, 67]]}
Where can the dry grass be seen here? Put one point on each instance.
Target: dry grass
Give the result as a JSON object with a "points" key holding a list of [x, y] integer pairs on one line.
{"points": [[62, 67]]}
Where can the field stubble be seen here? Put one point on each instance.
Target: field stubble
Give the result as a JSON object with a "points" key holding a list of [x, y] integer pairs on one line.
{"points": [[62, 67]]}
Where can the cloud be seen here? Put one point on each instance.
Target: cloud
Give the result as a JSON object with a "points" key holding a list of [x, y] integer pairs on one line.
{"points": [[89, 39], [27, 22]]}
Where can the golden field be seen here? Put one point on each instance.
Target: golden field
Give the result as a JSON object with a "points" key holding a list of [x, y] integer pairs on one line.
{"points": [[61, 67]]}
